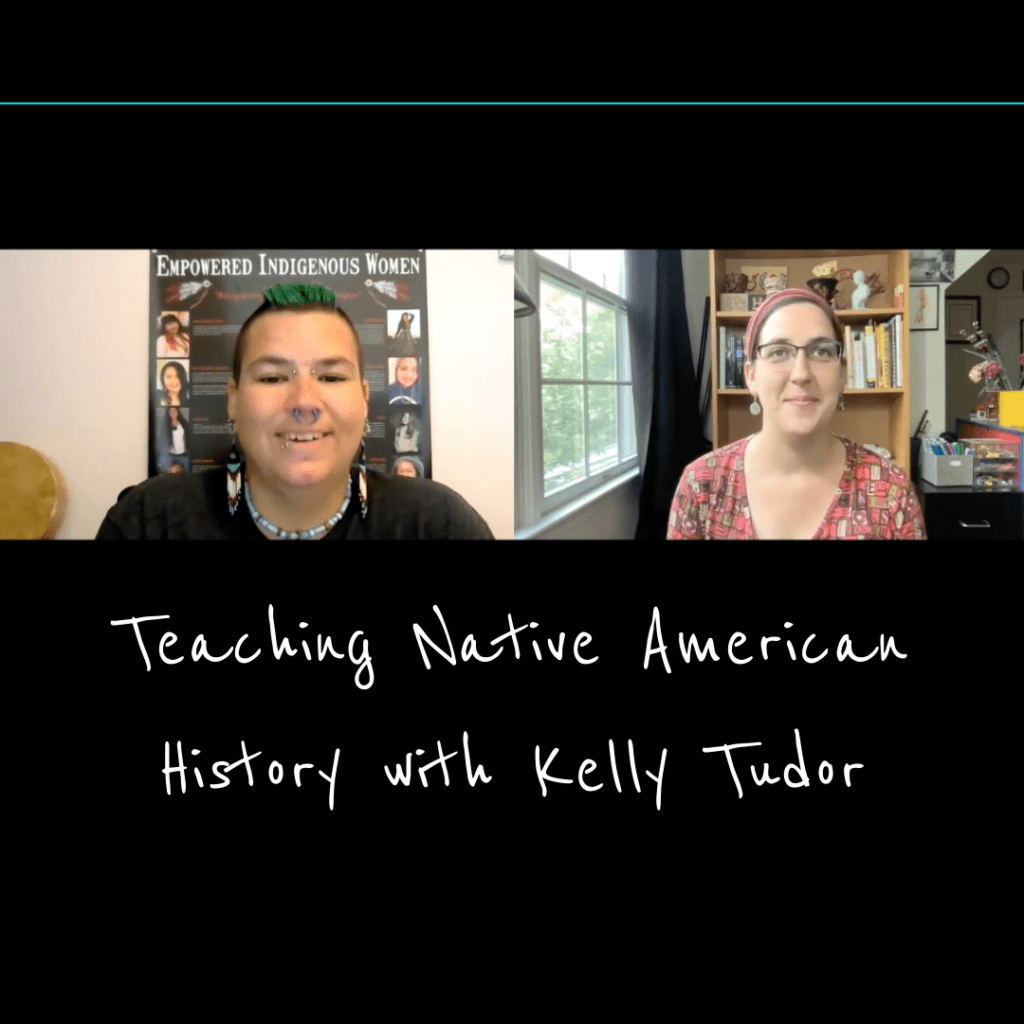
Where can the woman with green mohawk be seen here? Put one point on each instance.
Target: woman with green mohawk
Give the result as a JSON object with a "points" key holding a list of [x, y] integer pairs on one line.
{"points": [[298, 402]]}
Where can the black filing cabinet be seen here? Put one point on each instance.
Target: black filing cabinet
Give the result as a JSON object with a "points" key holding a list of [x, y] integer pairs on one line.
{"points": [[962, 513]]}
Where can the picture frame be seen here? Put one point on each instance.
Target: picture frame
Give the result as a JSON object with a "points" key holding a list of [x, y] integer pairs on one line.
{"points": [[961, 313], [923, 309], [928, 265]]}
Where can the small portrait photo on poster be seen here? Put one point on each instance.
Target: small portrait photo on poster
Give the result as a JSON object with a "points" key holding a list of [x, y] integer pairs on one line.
{"points": [[172, 430], [172, 382], [407, 465], [173, 341], [403, 331], [405, 431], [173, 464], [404, 385]]}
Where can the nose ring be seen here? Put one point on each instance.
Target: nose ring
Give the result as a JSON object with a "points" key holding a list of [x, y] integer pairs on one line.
{"points": [[297, 415]]}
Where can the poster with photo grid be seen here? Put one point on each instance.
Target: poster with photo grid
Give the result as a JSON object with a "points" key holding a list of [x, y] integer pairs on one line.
{"points": [[199, 300]]}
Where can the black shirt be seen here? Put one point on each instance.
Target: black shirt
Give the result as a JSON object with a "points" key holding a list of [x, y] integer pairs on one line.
{"points": [[195, 507]]}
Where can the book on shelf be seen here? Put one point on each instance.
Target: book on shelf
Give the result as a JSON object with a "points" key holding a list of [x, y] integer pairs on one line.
{"points": [[730, 358], [870, 356], [859, 370], [884, 366], [890, 329], [890, 337], [875, 355], [894, 334], [897, 322]]}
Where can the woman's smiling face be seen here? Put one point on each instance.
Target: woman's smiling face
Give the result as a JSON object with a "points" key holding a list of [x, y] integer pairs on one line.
{"points": [[799, 396], [406, 372], [299, 406]]}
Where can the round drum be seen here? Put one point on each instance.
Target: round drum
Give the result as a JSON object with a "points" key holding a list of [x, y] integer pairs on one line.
{"points": [[31, 494]]}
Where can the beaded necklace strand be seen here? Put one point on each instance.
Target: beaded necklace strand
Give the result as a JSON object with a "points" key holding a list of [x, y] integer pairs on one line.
{"points": [[304, 534]]}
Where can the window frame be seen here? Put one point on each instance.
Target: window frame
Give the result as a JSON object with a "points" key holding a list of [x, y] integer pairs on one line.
{"points": [[531, 506]]}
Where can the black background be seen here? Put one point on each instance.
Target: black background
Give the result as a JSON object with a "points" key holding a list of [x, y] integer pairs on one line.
{"points": [[908, 721]]}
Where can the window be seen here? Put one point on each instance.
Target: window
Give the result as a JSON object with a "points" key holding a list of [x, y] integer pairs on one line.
{"points": [[575, 429]]}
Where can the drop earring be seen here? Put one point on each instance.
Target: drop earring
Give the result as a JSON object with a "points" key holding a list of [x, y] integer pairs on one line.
{"points": [[842, 403], [755, 407], [362, 468], [234, 474], [361, 458]]}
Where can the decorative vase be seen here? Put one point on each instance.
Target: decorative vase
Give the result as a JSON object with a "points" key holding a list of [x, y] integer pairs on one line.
{"points": [[824, 286]]}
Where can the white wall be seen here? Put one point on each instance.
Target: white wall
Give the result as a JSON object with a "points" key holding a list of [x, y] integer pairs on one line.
{"points": [[74, 365], [928, 356], [1001, 312], [472, 366]]}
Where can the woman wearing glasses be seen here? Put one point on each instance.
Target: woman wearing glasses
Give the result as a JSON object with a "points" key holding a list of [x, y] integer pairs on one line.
{"points": [[794, 479]]}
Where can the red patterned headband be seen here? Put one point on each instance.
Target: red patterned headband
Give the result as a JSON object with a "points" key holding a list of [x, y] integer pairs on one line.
{"points": [[765, 310]]}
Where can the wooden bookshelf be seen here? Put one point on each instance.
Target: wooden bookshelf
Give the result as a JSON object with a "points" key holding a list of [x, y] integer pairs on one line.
{"points": [[872, 415]]}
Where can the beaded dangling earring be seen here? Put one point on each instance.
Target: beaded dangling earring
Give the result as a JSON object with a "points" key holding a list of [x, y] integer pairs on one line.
{"points": [[361, 457], [234, 474], [755, 406], [362, 468]]}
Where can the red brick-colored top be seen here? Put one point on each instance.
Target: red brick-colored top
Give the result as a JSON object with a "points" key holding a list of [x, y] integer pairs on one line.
{"points": [[874, 500]]}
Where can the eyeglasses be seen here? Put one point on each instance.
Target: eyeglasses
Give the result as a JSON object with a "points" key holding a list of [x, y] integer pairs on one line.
{"points": [[781, 353]]}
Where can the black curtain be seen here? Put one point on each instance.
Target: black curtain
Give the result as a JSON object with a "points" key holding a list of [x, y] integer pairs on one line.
{"points": [[669, 430]]}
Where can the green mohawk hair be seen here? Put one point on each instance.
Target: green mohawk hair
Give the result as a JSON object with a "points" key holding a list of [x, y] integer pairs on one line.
{"points": [[295, 294]]}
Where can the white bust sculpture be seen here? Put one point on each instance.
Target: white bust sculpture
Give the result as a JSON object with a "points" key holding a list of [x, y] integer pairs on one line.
{"points": [[862, 292]]}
